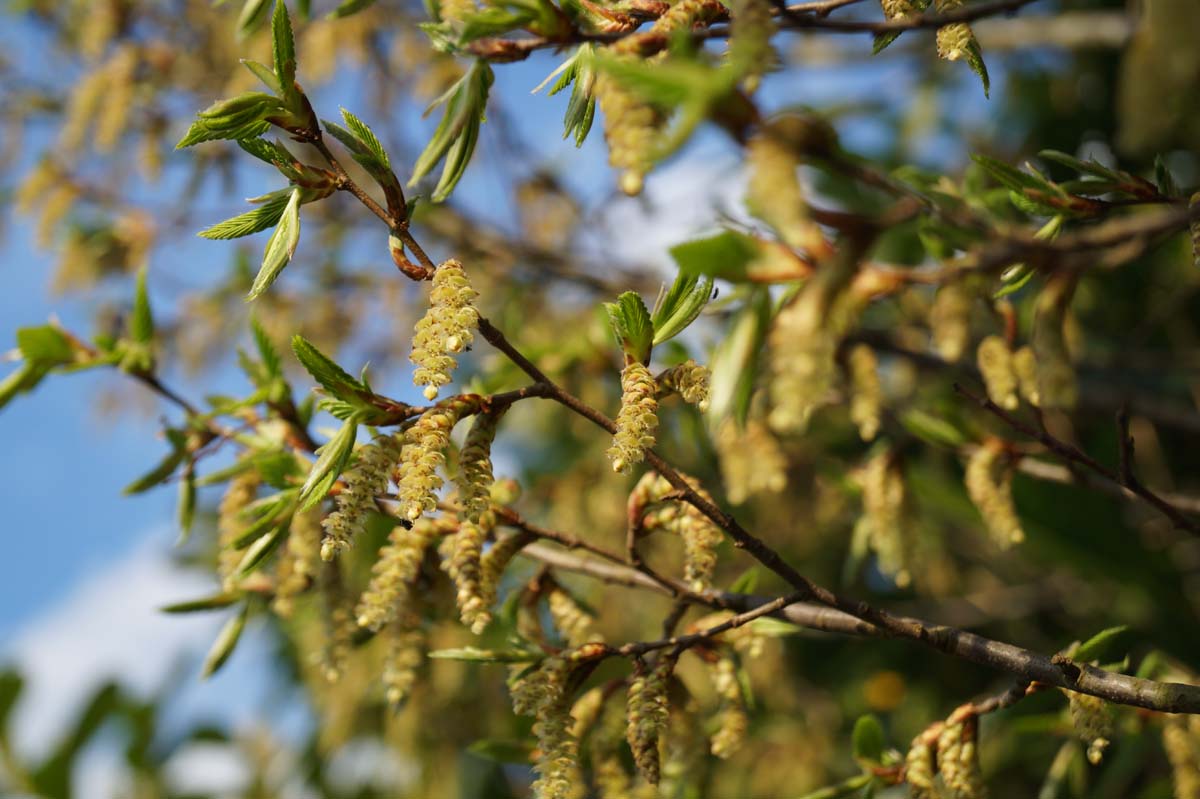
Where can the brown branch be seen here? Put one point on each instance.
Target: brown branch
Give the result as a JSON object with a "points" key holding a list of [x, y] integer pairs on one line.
{"points": [[1073, 454]]}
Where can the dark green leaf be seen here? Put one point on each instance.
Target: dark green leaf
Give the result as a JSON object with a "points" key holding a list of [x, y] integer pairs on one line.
{"points": [[215, 602], [164, 469]]}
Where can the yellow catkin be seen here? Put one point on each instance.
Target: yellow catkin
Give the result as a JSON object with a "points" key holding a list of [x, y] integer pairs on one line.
{"points": [[465, 567], [919, 771], [585, 712], [898, 9], [57, 205], [608, 772], [958, 760], [399, 562], [995, 361], [746, 640], [120, 86], [631, 128], [866, 391], [886, 523], [340, 627], [689, 380], [301, 560], [752, 461], [494, 562], [87, 99], [1024, 364], [356, 501], [405, 652], [238, 495], [732, 719], [646, 715], [1183, 753], [575, 624], [700, 535], [1194, 229], [421, 456], [956, 39], [989, 485], [750, 35], [950, 320], [475, 477], [1092, 721], [637, 420], [803, 341], [446, 328], [542, 694], [773, 190], [1055, 374]]}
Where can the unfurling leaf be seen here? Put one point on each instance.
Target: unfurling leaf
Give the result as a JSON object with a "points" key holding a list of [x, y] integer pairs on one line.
{"points": [[679, 306], [141, 324], [253, 221], [456, 134], [333, 377], [332, 458], [280, 247], [631, 324]]}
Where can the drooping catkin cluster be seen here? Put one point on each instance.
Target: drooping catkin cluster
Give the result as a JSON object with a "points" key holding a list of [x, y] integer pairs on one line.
{"points": [[465, 567], [700, 535], [475, 466], [752, 461], [238, 495], [646, 714], [406, 650], [732, 719], [750, 35], [387, 595], [494, 562], [445, 329], [989, 485], [631, 128], [950, 319], [958, 759], [1092, 721], [920, 770], [1024, 365], [954, 41], [995, 361], [605, 742], [886, 524], [866, 391], [300, 562], [570, 618], [689, 380], [1181, 741], [1056, 383], [803, 343], [773, 190], [541, 693], [416, 475], [637, 420], [355, 502], [340, 626]]}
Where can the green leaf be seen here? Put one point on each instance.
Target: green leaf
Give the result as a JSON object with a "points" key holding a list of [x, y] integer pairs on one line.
{"points": [[746, 582], [263, 72], [141, 324], [502, 751], [333, 377], [280, 247], [680, 305], [283, 51], [842, 789], [975, 62], [734, 364], [1163, 178], [868, 739], [631, 324], [725, 255], [11, 685], [164, 469], [242, 117], [186, 508], [473, 655], [882, 40], [332, 458], [251, 17], [214, 602], [226, 641], [22, 379], [44, 344], [933, 429], [267, 511], [272, 152], [1089, 167], [257, 553], [348, 7], [367, 137], [1011, 177], [1102, 645], [466, 102], [267, 352], [264, 216]]}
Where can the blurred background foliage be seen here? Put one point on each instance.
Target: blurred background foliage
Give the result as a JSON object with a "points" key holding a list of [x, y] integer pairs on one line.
{"points": [[93, 96]]}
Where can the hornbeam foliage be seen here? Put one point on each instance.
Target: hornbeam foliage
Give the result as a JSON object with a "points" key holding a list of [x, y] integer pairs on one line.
{"points": [[911, 417]]}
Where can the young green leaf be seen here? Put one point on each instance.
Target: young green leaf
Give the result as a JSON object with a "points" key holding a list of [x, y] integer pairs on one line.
{"points": [[631, 324], [474, 655], [734, 364], [332, 458], [226, 641], [267, 352], [263, 72], [454, 139], [1101, 645], [215, 602], [725, 255], [161, 471], [141, 323], [251, 17], [241, 117], [679, 306], [260, 549], [333, 377], [186, 507], [21, 380], [868, 740], [283, 51], [280, 247], [253, 221], [348, 7], [367, 137]]}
